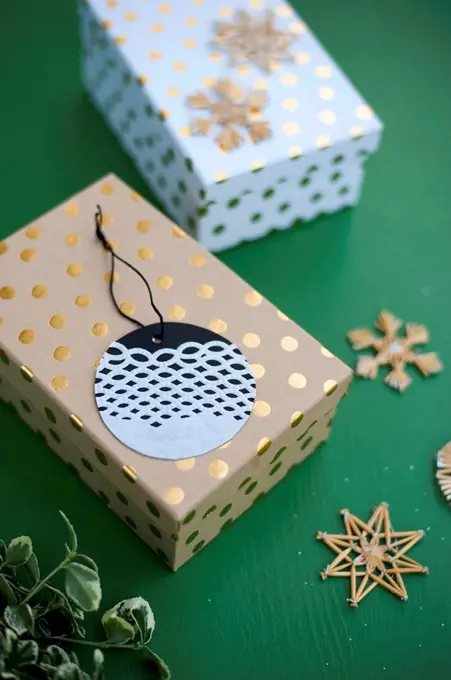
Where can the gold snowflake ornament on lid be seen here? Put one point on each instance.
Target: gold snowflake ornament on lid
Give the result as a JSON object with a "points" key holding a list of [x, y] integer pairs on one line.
{"points": [[230, 110], [394, 351], [372, 554], [253, 40]]}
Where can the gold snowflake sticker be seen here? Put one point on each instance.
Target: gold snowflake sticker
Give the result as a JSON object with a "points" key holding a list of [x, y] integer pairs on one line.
{"points": [[372, 554], [230, 110], [253, 40], [444, 470], [394, 351]]}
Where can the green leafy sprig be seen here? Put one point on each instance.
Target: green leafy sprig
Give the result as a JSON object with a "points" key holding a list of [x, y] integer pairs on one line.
{"points": [[36, 617]]}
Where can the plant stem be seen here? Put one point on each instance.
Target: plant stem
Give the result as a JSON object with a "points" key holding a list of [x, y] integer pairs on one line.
{"points": [[162, 668], [39, 585], [102, 645]]}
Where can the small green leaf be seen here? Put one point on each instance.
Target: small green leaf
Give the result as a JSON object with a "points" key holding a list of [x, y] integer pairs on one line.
{"points": [[137, 612], [2, 551], [98, 665], [87, 561], [27, 652], [83, 587], [32, 569], [20, 618], [163, 670], [70, 671], [9, 640], [7, 591], [73, 542], [56, 656], [117, 630], [19, 551]]}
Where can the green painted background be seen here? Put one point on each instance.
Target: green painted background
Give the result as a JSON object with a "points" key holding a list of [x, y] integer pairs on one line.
{"points": [[251, 606]]}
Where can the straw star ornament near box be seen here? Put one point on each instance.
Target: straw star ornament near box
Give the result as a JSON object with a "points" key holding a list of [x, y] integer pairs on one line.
{"points": [[177, 392], [236, 116]]}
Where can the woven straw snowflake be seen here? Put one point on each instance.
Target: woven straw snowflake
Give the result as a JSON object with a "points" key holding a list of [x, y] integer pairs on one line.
{"points": [[230, 110], [372, 554], [253, 40], [394, 351], [444, 470]]}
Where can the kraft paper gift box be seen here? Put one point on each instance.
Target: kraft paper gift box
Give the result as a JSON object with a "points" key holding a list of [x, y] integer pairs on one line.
{"points": [[142, 61], [57, 319]]}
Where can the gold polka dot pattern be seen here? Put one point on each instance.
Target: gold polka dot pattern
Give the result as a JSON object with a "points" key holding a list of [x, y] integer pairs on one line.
{"points": [[28, 255], [27, 336], [145, 253], [83, 301], [263, 445], [165, 282], [205, 291], [296, 418], [144, 226], [39, 292], [297, 380], [99, 330], [329, 387], [128, 308], [107, 277], [7, 293], [178, 233], [72, 240], [253, 299], [251, 340], [174, 495], [326, 93], [218, 469], [33, 233], [74, 269], [62, 353], [58, 321], [289, 344], [218, 326], [59, 383], [258, 370], [3, 247], [197, 260], [220, 176], [72, 209], [261, 409], [186, 464], [177, 313]]}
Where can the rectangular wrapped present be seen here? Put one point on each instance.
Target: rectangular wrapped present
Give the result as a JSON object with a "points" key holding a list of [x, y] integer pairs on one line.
{"points": [[62, 349], [234, 113]]}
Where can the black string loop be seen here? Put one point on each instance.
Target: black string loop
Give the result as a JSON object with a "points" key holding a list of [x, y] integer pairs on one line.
{"points": [[107, 246]]}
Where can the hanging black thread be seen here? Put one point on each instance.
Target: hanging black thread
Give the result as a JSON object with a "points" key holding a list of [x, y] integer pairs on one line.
{"points": [[101, 236]]}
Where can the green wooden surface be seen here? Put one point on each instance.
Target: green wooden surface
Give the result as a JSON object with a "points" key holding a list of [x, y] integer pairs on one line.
{"points": [[251, 606]]}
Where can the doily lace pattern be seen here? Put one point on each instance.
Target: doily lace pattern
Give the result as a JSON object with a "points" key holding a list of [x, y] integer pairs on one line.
{"points": [[194, 378]]}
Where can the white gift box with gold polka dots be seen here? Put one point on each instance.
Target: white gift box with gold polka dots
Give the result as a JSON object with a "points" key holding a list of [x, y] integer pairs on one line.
{"points": [[143, 60], [57, 319]]}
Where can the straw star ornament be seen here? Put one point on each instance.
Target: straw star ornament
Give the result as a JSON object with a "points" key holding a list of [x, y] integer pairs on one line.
{"points": [[253, 40], [394, 351], [372, 554], [444, 470], [230, 110]]}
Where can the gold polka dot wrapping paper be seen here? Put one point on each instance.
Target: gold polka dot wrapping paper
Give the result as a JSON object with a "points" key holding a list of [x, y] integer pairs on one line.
{"points": [[55, 326], [301, 154]]}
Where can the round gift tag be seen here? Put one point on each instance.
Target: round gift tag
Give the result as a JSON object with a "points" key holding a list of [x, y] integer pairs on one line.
{"points": [[176, 399]]}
